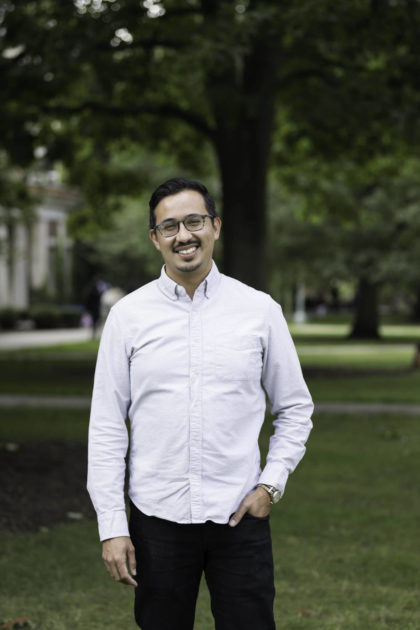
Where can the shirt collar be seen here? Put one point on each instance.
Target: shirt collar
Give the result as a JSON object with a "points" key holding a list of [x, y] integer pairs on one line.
{"points": [[174, 291]]}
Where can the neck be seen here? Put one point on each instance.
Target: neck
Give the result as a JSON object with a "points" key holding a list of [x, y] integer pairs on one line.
{"points": [[189, 280]]}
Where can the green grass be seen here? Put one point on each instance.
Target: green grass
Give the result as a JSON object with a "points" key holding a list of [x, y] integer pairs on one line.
{"points": [[38, 425], [345, 536], [362, 356], [391, 388], [87, 349], [345, 541], [76, 378], [69, 369], [314, 331], [65, 369], [49, 373]]}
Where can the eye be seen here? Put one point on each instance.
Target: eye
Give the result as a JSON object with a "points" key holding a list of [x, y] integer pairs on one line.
{"points": [[194, 221], [169, 226]]}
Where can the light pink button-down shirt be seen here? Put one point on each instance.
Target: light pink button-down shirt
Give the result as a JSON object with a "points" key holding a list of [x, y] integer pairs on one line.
{"points": [[192, 377]]}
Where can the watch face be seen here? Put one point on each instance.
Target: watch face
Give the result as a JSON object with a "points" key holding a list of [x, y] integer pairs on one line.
{"points": [[276, 496]]}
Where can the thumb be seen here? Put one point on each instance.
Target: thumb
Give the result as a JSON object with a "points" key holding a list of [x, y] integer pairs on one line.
{"points": [[237, 517]]}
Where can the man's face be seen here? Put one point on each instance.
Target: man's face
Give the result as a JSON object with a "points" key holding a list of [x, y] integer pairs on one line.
{"points": [[186, 252]]}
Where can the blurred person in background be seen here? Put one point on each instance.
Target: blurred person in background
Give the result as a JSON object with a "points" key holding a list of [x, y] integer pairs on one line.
{"points": [[92, 303]]}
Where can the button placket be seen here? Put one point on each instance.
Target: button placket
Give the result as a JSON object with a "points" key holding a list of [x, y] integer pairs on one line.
{"points": [[195, 408]]}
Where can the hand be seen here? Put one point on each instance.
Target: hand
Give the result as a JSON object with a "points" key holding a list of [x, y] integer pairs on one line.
{"points": [[117, 553], [257, 503]]}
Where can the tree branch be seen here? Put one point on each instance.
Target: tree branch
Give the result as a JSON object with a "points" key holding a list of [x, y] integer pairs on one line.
{"points": [[166, 110]]}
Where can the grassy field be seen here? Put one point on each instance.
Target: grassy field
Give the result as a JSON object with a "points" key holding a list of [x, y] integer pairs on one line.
{"points": [[336, 368], [362, 382], [344, 537], [26, 424]]}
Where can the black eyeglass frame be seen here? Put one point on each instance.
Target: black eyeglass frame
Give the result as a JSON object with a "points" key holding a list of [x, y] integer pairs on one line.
{"points": [[203, 218]]}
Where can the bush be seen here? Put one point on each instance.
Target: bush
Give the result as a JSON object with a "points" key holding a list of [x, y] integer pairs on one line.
{"points": [[70, 315], [45, 315], [8, 318]]}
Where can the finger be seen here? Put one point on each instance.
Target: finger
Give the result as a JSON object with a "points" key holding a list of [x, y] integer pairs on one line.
{"points": [[237, 517], [132, 561], [128, 580], [112, 570], [124, 576]]}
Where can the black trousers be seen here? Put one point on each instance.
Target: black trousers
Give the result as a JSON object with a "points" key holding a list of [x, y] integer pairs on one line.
{"points": [[237, 563]]}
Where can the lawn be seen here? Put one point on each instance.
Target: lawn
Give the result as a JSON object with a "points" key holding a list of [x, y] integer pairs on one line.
{"points": [[25, 424], [336, 368], [344, 538], [59, 372], [403, 387]]}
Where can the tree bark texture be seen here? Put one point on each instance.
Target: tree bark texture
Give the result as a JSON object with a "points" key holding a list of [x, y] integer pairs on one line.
{"points": [[243, 104], [366, 321]]}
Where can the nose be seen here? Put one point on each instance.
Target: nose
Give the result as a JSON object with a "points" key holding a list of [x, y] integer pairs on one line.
{"points": [[183, 233]]}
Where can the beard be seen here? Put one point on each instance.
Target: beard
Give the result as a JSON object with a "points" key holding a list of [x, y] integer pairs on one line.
{"points": [[188, 268]]}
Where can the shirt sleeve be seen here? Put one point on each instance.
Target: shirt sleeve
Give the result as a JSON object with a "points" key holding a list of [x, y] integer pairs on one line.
{"points": [[108, 437], [290, 401]]}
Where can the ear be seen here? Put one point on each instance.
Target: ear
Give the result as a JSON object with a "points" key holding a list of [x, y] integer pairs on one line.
{"points": [[217, 226], [154, 238]]}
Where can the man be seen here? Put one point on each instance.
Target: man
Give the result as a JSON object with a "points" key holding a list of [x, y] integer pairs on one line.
{"points": [[189, 358]]}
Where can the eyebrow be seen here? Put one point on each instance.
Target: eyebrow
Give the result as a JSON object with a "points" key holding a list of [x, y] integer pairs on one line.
{"points": [[191, 214]]}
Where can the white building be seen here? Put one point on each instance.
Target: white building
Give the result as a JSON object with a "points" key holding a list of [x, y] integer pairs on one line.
{"points": [[38, 257]]}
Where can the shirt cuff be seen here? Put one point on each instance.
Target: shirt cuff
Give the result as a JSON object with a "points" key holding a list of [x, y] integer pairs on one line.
{"points": [[272, 477], [112, 524]]}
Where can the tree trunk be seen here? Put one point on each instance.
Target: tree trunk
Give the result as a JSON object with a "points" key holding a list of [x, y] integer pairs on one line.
{"points": [[242, 102], [415, 313], [366, 322], [243, 175]]}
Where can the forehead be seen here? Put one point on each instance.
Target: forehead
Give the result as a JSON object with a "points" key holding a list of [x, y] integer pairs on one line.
{"points": [[180, 205]]}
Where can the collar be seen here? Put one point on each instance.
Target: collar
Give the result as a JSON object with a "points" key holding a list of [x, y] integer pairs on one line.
{"points": [[175, 291]]}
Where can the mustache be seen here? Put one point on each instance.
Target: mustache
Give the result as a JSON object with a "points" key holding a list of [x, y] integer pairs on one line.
{"points": [[186, 244]]}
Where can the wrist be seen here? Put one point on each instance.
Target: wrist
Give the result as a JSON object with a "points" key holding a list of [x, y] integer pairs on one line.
{"points": [[272, 492]]}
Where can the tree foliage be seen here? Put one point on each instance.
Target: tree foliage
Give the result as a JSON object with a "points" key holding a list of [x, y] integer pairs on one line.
{"points": [[352, 222], [90, 78]]}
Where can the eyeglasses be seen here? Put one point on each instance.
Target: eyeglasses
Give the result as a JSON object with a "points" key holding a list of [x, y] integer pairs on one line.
{"points": [[193, 223]]}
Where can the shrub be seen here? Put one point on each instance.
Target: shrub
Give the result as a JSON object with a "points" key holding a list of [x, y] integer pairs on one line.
{"points": [[70, 315], [8, 318], [45, 315]]}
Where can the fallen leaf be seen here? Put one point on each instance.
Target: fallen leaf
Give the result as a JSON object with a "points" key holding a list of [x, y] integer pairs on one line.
{"points": [[305, 613], [14, 624]]}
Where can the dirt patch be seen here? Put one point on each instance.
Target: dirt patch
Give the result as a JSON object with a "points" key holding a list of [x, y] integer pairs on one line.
{"points": [[42, 484]]}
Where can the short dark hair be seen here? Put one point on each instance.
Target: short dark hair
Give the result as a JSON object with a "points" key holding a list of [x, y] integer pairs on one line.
{"points": [[174, 186]]}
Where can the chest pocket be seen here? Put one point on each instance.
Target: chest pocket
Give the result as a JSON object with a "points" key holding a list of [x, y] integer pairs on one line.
{"points": [[235, 362]]}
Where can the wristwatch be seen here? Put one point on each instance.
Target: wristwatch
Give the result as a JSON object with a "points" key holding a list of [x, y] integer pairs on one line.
{"points": [[274, 493]]}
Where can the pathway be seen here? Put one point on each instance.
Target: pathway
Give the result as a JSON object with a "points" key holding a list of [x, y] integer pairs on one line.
{"points": [[36, 338]]}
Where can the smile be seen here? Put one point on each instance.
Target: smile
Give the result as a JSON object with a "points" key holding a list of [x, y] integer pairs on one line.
{"points": [[187, 252]]}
